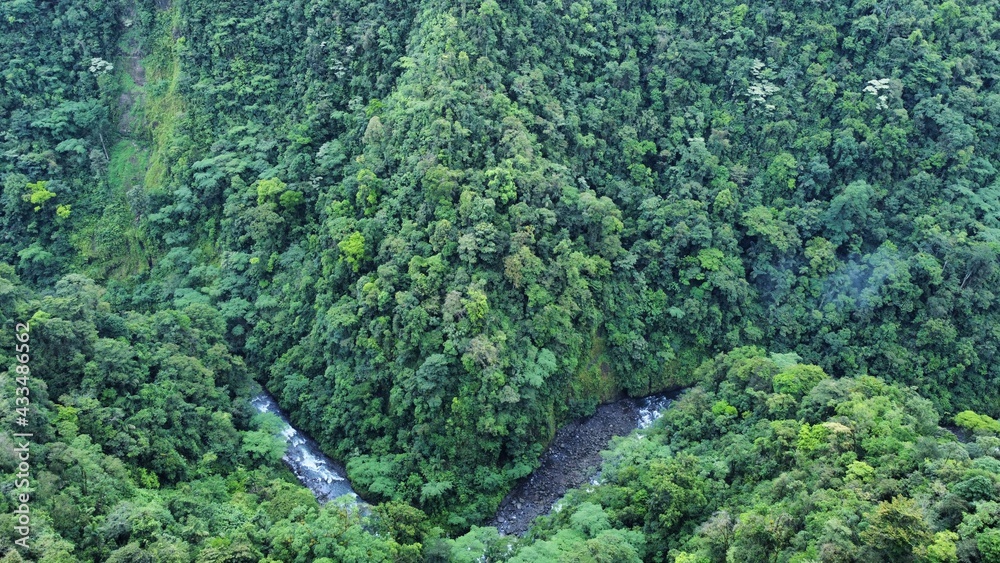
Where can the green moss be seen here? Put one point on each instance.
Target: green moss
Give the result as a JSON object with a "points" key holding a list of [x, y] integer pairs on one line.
{"points": [[594, 383], [164, 104], [113, 244], [678, 372]]}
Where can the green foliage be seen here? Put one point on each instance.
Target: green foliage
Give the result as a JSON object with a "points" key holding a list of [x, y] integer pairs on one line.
{"points": [[988, 543], [977, 423], [270, 190], [353, 249], [37, 194], [150, 452], [798, 380], [942, 550], [862, 473], [436, 232], [895, 528]]}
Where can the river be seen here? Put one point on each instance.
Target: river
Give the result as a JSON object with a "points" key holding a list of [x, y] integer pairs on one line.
{"points": [[574, 458], [323, 476], [571, 460]]}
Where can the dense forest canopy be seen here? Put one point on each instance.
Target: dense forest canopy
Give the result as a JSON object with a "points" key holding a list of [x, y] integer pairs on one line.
{"points": [[438, 230], [768, 459]]}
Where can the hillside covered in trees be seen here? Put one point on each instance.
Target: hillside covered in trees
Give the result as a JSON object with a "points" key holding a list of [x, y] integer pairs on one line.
{"points": [[436, 231]]}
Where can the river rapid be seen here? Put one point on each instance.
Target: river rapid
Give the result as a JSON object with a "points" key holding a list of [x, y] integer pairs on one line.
{"points": [[320, 474], [571, 460]]}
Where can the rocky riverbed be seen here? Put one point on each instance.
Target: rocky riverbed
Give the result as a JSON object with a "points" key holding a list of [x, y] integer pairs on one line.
{"points": [[573, 459]]}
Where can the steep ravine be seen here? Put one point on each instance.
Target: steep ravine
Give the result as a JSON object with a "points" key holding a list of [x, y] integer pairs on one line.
{"points": [[320, 474], [573, 458]]}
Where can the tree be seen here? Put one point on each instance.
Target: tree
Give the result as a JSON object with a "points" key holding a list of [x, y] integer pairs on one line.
{"points": [[988, 543], [896, 529]]}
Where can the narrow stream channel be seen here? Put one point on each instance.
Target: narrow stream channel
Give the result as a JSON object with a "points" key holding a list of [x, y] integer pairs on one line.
{"points": [[323, 476], [572, 459]]}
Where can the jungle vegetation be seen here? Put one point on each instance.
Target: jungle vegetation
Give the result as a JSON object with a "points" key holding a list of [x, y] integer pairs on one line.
{"points": [[436, 231]]}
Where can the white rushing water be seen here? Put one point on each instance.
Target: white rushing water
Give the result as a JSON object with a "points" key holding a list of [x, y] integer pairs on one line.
{"points": [[326, 479], [312, 467], [650, 410]]}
